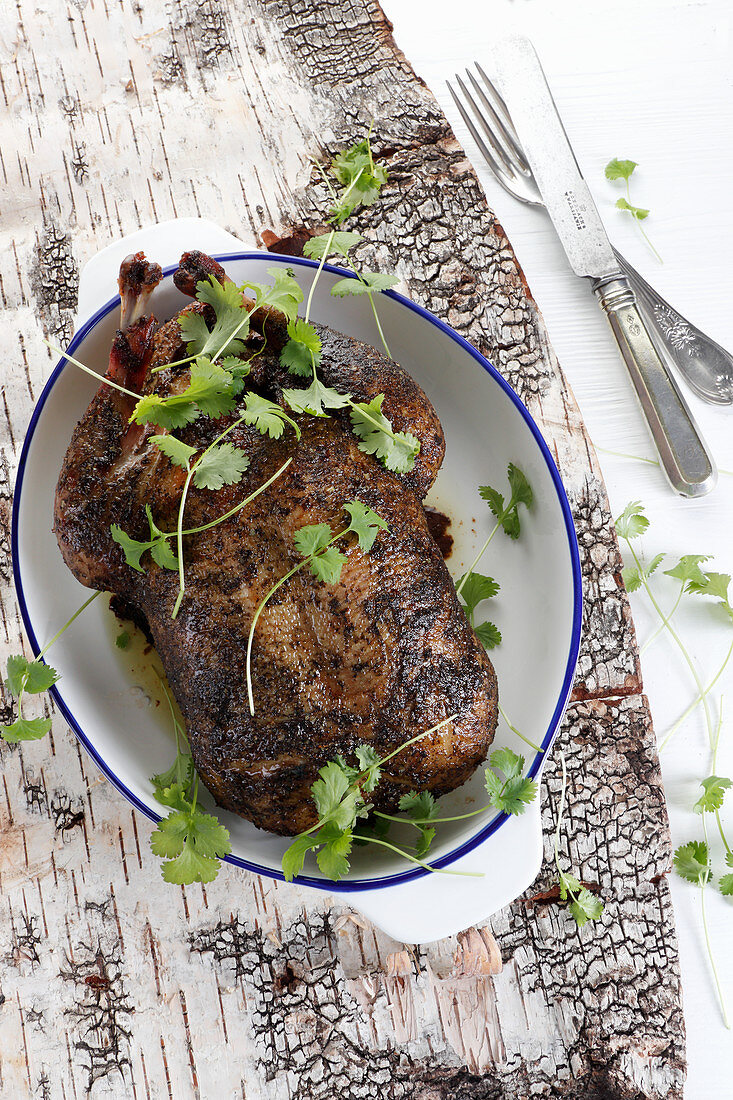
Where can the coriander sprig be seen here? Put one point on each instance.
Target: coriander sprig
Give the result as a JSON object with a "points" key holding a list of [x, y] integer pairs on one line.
{"points": [[315, 544], [582, 903], [33, 678], [338, 794], [623, 170]]}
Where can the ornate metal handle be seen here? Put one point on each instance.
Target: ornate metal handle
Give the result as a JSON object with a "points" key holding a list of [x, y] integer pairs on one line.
{"points": [[684, 456], [705, 365]]}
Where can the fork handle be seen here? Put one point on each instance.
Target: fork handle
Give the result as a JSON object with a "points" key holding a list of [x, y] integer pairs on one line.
{"points": [[684, 456]]}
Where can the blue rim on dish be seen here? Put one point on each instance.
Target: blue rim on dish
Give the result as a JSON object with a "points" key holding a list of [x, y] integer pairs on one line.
{"points": [[353, 885]]}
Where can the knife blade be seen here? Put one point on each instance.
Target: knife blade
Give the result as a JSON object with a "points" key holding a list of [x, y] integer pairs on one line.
{"points": [[552, 160]]}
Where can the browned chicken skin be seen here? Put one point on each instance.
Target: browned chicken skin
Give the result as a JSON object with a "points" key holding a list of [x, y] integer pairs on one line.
{"points": [[378, 657]]}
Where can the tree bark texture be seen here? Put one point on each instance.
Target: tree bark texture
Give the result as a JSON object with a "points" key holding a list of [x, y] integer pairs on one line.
{"points": [[115, 984]]}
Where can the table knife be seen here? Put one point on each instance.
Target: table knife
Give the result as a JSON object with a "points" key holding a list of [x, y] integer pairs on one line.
{"points": [[683, 454]]}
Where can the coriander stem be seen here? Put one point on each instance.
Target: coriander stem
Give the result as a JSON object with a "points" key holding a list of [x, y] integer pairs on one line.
{"points": [[429, 820], [638, 222], [688, 659], [175, 363], [260, 609], [237, 507], [255, 620], [561, 811], [316, 277], [58, 634], [478, 557], [703, 884], [87, 370], [414, 859], [696, 702], [514, 729], [662, 625], [433, 729]]}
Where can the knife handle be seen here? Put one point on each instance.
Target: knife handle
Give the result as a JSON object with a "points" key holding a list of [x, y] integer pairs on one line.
{"points": [[683, 454]]}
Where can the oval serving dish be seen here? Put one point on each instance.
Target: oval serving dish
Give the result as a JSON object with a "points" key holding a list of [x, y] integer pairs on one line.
{"points": [[538, 609]]}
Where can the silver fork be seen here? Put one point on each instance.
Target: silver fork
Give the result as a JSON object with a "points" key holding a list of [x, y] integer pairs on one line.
{"points": [[705, 365]]}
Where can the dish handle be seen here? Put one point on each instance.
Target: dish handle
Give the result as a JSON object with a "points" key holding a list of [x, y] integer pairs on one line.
{"points": [[439, 905]]}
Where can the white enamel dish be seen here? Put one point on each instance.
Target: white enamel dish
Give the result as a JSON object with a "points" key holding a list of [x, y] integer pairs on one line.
{"points": [[107, 701]]}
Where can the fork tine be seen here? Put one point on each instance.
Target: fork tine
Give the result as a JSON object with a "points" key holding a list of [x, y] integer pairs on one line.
{"points": [[494, 143], [499, 132], [510, 133], [496, 168]]}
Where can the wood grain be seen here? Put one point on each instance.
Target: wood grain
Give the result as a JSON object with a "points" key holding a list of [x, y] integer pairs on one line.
{"points": [[114, 984]]}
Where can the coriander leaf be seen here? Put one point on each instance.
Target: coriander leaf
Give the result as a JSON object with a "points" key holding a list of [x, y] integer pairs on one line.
{"points": [[362, 179], [427, 836], [515, 791], [313, 400], [178, 452], [508, 762], [190, 866], [26, 729], [132, 549], [302, 353], [231, 317], [211, 837], [637, 212], [192, 842], [327, 565], [714, 788], [419, 806], [222, 464], [397, 450], [30, 676], [620, 169], [521, 489], [163, 555], [476, 588], [569, 885], [654, 564], [40, 677], [180, 771], [174, 411], [168, 839], [17, 667], [488, 634], [332, 858], [688, 568], [175, 796], [285, 295], [311, 538], [693, 862], [122, 640], [726, 885], [631, 578], [585, 906], [632, 522], [365, 524], [329, 244], [367, 283], [508, 514], [712, 584], [335, 800], [294, 856], [212, 388], [266, 416], [369, 761]]}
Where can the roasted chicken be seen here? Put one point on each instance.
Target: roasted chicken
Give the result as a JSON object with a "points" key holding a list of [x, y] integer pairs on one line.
{"points": [[383, 654]]}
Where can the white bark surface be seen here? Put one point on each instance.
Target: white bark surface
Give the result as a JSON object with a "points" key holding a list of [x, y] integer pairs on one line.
{"points": [[115, 984]]}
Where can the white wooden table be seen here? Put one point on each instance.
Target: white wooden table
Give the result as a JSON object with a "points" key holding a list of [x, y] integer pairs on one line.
{"points": [[648, 80]]}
